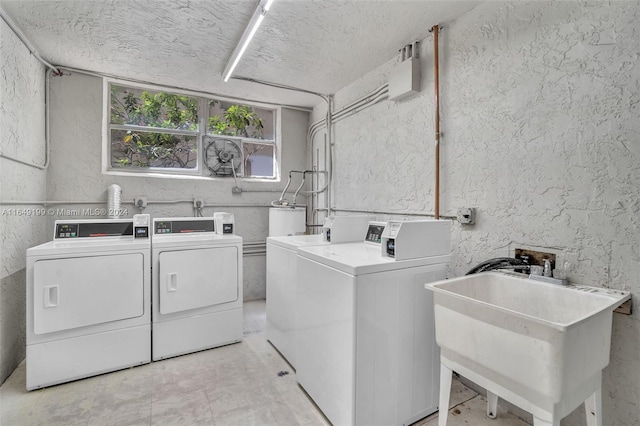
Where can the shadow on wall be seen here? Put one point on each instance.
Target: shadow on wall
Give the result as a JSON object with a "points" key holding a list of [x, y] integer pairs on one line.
{"points": [[12, 322]]}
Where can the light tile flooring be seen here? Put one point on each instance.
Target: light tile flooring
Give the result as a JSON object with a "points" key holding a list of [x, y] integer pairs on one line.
{"points": [[232, 385]]}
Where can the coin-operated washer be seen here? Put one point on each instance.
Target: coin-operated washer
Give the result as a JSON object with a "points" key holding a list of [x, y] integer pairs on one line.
{"points": [[197, 286], [88, 300], [365, 338], [282, 275]]}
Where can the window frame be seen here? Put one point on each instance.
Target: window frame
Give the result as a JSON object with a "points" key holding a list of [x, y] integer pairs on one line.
{"points": [[200, 171]]}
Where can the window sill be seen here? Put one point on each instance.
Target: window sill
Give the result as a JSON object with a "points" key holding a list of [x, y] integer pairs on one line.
{"points": [[186, 176]]}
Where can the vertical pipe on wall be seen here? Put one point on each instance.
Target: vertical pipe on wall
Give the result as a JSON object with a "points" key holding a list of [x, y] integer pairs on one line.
{"points": [[436, 83], [330, 149]]}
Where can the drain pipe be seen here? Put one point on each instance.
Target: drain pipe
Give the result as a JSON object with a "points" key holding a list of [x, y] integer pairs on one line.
{"points": [[436, 90]]}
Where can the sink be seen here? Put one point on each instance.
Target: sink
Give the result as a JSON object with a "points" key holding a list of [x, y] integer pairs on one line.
{"points": [[540, 346]]}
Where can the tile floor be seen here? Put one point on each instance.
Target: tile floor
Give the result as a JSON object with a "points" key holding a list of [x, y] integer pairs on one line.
{"points": [[232, 385]]}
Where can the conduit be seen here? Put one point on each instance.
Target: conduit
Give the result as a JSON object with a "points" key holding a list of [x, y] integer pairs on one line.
{"points": [[72, 202], [368, 100], [51, 69], [256, 248], [24, 41], [436, 90], [392, 213], [47, 137]]}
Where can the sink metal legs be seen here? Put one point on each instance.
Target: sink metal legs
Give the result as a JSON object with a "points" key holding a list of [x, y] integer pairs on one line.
{"points": [[593, 404], [445, 392], [593, 407], [492, 405]]}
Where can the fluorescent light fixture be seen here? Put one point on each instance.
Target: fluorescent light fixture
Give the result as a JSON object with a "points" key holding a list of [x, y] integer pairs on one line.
{"points": [[249, 32]]}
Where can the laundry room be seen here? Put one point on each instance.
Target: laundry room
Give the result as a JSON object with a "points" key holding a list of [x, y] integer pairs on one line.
{"points": [[340, 166]]}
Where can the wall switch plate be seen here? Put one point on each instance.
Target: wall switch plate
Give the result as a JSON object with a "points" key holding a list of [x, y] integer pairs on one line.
{"points": [[466, 216]]}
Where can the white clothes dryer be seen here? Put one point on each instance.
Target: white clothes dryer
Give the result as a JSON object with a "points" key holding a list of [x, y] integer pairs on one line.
{"points": [[365, 340], [88, 300], [282, 276], [197, 287]]}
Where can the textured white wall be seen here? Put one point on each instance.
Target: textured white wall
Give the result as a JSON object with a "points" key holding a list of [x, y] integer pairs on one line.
{"points": [[75, 171], [540, 120], [21, 136]]}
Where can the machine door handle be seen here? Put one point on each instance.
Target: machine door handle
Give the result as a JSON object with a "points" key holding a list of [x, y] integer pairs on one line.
{"points": [[172, 281], [51, 294]]}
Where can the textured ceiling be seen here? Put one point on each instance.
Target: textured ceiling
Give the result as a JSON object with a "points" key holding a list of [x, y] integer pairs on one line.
{"points": [[318, 45]]}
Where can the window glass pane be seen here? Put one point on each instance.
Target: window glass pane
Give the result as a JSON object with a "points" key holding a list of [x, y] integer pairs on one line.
{"points": [[226, 118], [153, 109], [133, 149], [258, 160]]}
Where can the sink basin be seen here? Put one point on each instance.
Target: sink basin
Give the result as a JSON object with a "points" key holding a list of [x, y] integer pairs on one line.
{"points": [[541, 346]]}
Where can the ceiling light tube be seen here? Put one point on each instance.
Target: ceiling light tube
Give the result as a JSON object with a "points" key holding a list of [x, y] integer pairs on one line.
{"points": [[249, 32]]}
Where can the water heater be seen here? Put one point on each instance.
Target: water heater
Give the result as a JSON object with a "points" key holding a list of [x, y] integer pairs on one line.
{"points": [[285, 221]]}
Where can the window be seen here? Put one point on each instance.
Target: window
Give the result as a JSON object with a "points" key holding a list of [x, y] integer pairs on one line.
{"points": [[162, 132], [251, 129]]}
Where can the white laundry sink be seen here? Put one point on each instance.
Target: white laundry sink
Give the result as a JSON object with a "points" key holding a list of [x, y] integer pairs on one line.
{"points": [[541, 346]]}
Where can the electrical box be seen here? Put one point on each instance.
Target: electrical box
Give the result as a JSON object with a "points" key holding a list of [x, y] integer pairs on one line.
{"points": [[403, 240], [140, 202], [404, 79], [466, 216]]}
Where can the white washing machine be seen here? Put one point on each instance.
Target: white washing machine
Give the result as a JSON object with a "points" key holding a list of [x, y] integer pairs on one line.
{"points": [[88, 300], [365, 341], [197, 287], [282, 273]]}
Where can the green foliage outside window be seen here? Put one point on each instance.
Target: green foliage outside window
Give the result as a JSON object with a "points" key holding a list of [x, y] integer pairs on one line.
{"points": [[237, 120], [153, 113], [157, 111]]}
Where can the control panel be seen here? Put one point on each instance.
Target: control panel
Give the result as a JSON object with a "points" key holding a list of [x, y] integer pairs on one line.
{"points": [[345, 229], [141, 225], [224, 222], [183, 226], [411, 239], [68, 229], [374, 232]]}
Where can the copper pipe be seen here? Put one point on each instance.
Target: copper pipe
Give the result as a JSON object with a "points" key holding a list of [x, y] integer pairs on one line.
{"points": [[436, 83]]}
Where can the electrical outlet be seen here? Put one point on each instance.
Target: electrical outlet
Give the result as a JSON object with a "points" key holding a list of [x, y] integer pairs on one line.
{"points": [[198, 203], [466, 216], [140, 202]]}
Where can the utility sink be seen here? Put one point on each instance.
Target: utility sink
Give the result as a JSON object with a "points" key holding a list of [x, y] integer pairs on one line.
{"points": [[540, 346]]}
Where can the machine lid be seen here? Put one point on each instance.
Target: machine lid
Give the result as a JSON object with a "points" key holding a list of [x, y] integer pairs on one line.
{"points": [[362, 258], [292, 242], [66, 229], [183, 225]]}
